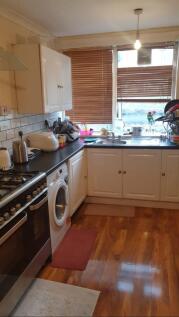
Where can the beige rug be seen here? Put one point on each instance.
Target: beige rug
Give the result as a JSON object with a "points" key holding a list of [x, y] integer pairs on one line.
{"points": [[48, 298], [109, 210]]}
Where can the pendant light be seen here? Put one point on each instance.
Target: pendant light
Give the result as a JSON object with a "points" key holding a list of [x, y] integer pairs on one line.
{"points": [[137, 44]]}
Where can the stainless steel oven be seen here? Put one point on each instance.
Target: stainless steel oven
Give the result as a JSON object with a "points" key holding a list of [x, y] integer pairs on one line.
{"points": [[24, 243]]}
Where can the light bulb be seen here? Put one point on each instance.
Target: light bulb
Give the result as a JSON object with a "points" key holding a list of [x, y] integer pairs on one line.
{"points": [[137, 44]]}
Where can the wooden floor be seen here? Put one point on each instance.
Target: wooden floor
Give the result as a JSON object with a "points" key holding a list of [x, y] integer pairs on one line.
{"points": [[135, 263]]}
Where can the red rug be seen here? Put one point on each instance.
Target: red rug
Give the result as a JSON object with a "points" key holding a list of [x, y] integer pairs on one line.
{"points": [[74, 251]]}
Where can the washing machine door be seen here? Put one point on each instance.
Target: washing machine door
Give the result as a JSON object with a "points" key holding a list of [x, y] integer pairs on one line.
{"points": [[60, 202]]}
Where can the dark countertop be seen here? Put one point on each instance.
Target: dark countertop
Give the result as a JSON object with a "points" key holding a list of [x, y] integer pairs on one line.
{"points": [[136, 143], [48, 162]]}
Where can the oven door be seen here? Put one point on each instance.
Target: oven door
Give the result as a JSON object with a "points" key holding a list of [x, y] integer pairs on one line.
{"points": [[38, 219], [13, 252]]}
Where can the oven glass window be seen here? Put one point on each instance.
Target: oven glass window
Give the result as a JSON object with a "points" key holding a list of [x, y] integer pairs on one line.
{"points": [[14, 259]]}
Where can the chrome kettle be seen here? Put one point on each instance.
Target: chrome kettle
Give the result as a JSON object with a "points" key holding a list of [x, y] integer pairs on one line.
{"points": [[20, 154]]}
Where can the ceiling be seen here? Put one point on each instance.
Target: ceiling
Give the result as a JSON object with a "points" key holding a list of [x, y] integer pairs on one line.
{"points": [[77, 17]]}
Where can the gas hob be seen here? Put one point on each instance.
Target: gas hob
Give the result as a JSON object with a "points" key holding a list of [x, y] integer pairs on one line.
{"points": [[13, 183]]}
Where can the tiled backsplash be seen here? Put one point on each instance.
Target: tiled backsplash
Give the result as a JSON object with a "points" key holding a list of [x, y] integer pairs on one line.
{"points": [[12, 123]]}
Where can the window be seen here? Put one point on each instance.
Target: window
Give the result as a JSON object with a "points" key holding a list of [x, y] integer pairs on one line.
{"points": [[92, 86], [144, 88]]}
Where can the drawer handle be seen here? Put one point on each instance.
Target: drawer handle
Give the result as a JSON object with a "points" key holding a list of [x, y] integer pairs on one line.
{"points": [[38, 205], [163, 174], [119, 172], [59, 86], [124, 172]]}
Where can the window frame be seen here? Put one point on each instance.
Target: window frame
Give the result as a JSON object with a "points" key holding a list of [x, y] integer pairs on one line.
{"points": [[116, 113]]}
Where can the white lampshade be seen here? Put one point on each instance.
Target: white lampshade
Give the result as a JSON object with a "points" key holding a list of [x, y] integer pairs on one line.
{"points": [[137, 44]]}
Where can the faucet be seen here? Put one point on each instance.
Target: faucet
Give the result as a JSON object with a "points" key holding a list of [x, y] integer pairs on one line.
{"points": [[115, 137]]}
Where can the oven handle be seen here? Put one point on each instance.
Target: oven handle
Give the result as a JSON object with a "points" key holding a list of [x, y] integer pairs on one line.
{"points": [[39, 204], [8, 234]]}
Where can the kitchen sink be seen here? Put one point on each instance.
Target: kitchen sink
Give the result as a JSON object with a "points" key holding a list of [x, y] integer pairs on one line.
{"points": [[128, 140], [114, 140]]}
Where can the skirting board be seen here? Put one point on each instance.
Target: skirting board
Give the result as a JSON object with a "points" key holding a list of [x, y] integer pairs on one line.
{"points": [[131, 202], [109, 210]]}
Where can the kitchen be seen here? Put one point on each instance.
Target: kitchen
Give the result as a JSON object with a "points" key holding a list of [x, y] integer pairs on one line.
{"points": [[124, 189]]}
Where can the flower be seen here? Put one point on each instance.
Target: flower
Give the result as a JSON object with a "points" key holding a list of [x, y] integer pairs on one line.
{"points": [[150, 116]]}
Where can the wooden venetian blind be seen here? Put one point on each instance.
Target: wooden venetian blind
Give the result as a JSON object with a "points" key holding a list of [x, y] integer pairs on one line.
{"points": [[150, 83], [91, 86]]}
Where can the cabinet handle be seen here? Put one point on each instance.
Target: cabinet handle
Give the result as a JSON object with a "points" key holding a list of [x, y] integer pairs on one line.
{"points": [[119, 172], [163, 174], [59, 86], [124, 172]]}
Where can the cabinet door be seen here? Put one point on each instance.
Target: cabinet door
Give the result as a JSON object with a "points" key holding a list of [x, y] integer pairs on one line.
{"points": [[65, 82], [170, 172], [141, 174], [50, 66], [28, 83], [77, 180], [56, 76], [104, 172]]}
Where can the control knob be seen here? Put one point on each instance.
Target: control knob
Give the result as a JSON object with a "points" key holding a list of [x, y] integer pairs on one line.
{"points": [[6, 216], [34, 193], [18, 206], [12, 211], [1, 220], [28, 197]]}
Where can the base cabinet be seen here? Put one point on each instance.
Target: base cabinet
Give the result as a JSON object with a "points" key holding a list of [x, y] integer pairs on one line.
{"points": [[170, 176], [123, 173], [141, 174], [77, 180], [105, 173]]}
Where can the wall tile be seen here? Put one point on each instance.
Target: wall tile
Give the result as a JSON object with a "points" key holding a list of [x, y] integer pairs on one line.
{"points": [[11, 124], [5, 125], [15, 123], [10, 134], [3, 136]]}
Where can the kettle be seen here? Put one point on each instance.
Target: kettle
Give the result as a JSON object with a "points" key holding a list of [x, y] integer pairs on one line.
{"points": [[20, 154], [5, 160]]}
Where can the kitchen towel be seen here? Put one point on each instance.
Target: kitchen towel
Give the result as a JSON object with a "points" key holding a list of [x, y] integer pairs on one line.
{"points": [[74, 251]]}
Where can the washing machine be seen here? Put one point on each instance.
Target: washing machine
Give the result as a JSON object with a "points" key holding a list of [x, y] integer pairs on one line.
{"points": [[58, 201]]}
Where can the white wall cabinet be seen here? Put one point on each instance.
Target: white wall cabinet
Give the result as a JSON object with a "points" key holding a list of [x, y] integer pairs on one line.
{"points": [[46, 84], [170, 176], [77, 180], [105, 172], [141, 174]]}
